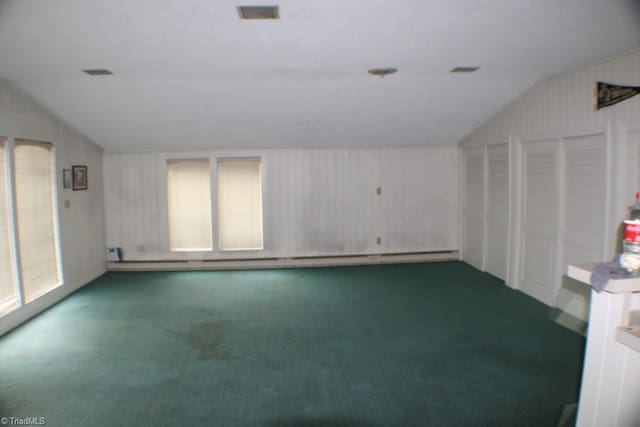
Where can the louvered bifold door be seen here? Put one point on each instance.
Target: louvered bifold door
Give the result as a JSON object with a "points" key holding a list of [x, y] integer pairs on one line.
{"points": [[473, 212], [585, 199], [497, 209], [539, 224]]}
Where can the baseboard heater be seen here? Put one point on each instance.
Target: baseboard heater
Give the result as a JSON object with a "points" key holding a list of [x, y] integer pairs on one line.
{"points": [[284, 262]]}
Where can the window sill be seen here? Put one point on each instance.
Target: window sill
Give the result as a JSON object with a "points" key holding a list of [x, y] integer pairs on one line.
{"points": [[241, 249]]}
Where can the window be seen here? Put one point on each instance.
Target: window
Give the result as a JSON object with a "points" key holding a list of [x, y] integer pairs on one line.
{"points": [[35, 214], [7, 284], [239, 204], [189, 194]]}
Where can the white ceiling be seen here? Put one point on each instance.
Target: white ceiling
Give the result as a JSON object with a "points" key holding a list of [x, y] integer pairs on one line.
{"points": [[190, 75]]}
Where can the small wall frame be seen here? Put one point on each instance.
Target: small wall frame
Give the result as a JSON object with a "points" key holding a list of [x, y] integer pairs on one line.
{"points": [[80, 178]]}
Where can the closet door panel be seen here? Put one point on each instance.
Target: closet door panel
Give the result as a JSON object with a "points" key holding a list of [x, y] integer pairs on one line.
{"points": [[497, 209], [473, 212], [585, 198], [539, 219]]}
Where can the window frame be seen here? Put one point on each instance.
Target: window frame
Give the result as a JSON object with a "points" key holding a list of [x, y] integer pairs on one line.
{"points": [[13, 302]]}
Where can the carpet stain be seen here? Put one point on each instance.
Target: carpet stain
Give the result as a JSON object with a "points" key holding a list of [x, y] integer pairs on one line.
{"points": [[435, 344], [207, 338], [207, 311]]}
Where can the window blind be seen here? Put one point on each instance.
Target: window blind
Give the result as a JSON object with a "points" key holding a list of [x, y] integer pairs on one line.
{"points": [[239, 204], [7, 284], [35, 217], [189, 195]]}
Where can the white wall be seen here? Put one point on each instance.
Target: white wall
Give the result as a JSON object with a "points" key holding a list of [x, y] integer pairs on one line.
{"points": [[570, 210], [316, 202], [82, 224]]}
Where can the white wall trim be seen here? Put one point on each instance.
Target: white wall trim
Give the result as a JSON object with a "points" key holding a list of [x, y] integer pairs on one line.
{"points": [[485, 207], [610, 227], [516, 202], [462, 176], [565, 132], [57, 229], [291, 262], [14, 241], [510, 208], [559, 269]]}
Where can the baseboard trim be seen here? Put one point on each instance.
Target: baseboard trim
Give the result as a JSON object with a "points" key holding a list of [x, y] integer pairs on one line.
{"points": [[265, 263]]}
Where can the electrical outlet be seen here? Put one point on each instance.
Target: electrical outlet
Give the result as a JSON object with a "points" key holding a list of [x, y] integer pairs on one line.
{"points": [[378, 240], [379, 191], [67, 204], [141, 248]]}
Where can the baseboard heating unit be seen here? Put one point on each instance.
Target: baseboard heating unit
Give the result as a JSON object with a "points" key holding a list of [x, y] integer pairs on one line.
{"points": [[302, 261]]}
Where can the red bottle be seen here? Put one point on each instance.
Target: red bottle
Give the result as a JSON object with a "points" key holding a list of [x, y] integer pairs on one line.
{"points": [[632, 225], [630, 258]]}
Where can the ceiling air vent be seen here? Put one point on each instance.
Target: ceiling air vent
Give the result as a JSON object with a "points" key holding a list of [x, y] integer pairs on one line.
{"points": [[381, 72], [258, 12], [98, 72], [465, 69]]}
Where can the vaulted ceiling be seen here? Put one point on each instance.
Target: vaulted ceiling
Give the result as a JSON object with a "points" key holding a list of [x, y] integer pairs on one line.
{"points": [[189, 74]]}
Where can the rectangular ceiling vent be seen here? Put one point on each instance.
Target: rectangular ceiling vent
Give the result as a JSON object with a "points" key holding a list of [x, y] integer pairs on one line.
{"points": [[98, 72], [465, 69], [258, 12]]}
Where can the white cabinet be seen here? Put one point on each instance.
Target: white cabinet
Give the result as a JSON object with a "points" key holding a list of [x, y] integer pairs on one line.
{"points": [[611, 374]]}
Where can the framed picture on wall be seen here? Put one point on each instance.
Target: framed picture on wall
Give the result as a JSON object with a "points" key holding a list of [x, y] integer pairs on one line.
{"points": [[79, 178], [66, 178]]}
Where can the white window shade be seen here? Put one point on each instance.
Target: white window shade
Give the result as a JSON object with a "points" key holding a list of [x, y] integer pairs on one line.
{"points": [[189, 194], [7, 284], [35, 218], [239, 204]]}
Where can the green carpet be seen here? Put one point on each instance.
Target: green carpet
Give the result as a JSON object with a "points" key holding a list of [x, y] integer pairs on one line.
{"points": [[436, 344]]}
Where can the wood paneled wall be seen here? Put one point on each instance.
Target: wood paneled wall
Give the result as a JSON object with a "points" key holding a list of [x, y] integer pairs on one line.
{"points": [[315, 202], [82, 223], [567, 163]]}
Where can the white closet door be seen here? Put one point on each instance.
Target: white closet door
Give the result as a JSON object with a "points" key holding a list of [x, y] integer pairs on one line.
{"points": [[539, 220], [633, 166], [497, 209], [585, 198], [473, 213]]}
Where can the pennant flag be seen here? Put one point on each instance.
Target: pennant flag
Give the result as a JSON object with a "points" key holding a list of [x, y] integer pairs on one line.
{"points": [[608, 94]]}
